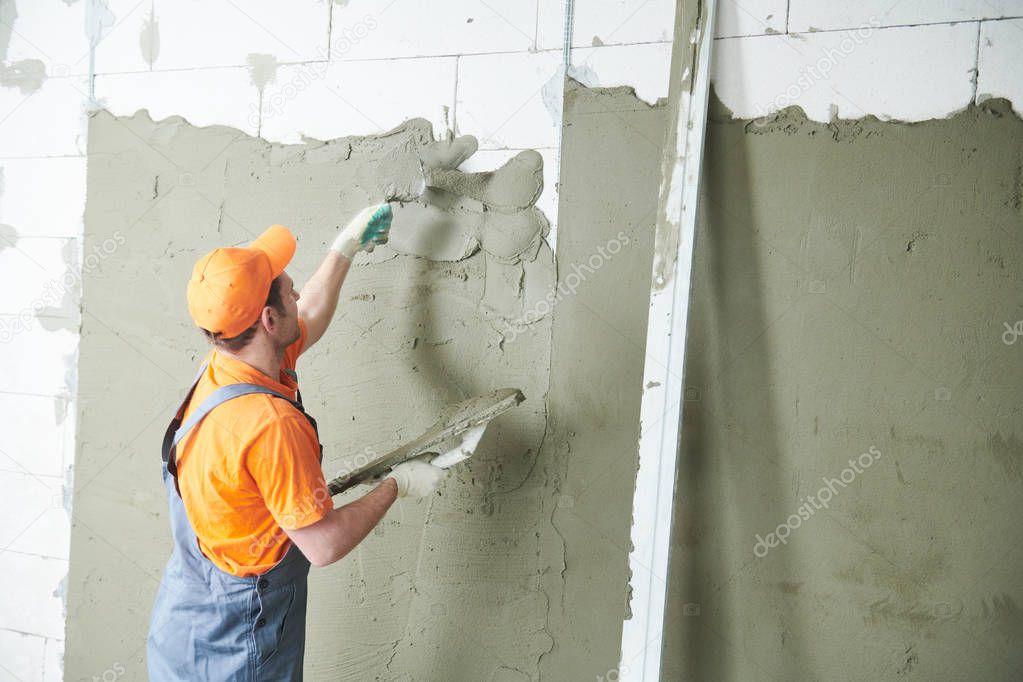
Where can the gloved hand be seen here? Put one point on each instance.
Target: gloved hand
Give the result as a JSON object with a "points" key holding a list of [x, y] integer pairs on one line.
{"points": [[416, 478], [463, 450], [371, 226]]}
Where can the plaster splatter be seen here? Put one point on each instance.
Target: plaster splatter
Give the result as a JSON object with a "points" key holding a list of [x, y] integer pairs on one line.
{"points": [[262, 69], [149, 38], [25, 74]]}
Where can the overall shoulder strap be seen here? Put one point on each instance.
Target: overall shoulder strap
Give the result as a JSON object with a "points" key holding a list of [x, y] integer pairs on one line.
{"points": [[175, 433], [168, 436], [218, 397]]}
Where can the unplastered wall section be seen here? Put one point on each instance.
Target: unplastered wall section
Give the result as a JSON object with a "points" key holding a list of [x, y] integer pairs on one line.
{"points": [[325, 69], [43, 84]]}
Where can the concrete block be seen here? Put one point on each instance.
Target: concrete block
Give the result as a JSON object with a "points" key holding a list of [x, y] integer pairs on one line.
{"points": [[36, 444], [53, 662], [188, 34], [203, 97], [38, 274], [813, 15], [36, 605], [49, 121], [33, 519], [510, 100], [607, 22], [22, 656], [27, 188], [750, 17], [49, 535], [203, 33], [122, 30], [50, 31], [325, 101], [35, 360], [907, 74], [408, 28], [1000, 62], [642, 67]]}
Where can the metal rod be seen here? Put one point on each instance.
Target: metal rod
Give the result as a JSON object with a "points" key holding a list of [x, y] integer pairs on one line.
{"points": [[663, 374]]}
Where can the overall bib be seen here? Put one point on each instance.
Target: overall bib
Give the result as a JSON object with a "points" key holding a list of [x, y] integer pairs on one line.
{"points": [[208, 624]]}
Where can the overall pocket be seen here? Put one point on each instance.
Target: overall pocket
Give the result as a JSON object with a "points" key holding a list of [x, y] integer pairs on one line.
{"points": [[267, 629]]}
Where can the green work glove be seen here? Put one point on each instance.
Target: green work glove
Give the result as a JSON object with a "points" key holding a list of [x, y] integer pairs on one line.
{"points": [[371, 226]]}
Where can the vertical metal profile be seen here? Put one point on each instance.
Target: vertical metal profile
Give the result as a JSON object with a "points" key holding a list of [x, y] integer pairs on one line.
{"points": [[663, 374]]}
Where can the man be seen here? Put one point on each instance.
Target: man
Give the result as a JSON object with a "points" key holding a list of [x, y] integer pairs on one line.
{"points": [[249, 506]]}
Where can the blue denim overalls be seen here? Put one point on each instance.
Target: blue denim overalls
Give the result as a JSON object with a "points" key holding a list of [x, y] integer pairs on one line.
{"points": [[208, 624]]}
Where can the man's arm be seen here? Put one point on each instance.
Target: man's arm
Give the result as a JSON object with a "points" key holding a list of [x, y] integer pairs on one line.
{"points": [[337, 533], [318, 299]]}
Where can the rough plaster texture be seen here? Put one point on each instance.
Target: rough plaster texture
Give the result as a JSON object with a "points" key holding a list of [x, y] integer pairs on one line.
{"points": [[851, 288], [446, 588], [610, 174]]}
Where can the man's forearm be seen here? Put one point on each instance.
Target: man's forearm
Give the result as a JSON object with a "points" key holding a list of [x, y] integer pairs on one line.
{"points": [[355, 520], [318, 298]]}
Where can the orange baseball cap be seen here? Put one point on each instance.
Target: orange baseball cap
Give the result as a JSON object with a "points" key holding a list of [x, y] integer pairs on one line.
{"points": [[229, 286]]}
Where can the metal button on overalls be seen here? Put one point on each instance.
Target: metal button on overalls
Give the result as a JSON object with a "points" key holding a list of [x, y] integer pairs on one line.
{"points": [[208, 624]]}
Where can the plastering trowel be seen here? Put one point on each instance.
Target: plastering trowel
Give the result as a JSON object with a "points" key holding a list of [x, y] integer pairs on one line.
{"points": [[467, 419]]}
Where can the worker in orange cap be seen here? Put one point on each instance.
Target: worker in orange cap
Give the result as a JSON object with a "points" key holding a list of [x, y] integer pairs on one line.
{"points": [[249, 506]]}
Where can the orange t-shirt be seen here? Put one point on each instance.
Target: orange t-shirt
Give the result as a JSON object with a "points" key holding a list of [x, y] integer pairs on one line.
{"points": [[250, 468]]}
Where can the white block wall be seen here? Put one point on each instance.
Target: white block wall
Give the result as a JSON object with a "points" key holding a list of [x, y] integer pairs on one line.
{"points": [[488, 69]]}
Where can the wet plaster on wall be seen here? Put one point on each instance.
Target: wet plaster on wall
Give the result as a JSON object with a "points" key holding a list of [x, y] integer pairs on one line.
{"points": [[851, 286], [446, 588], [262, 72], [852, 281], [610, 174]]}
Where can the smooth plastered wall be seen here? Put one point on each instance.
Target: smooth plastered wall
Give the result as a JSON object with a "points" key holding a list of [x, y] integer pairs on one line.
{"points": [[850, 469], [849, 483]]}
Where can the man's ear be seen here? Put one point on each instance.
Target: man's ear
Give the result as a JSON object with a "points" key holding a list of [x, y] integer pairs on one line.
{"points": [[270, 319]]}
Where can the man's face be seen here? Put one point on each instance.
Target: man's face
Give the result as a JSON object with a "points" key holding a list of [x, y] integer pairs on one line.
{"points": [[289, 331]]}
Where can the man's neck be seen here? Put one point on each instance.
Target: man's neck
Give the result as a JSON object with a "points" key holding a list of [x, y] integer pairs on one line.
{"points": [[263, 358]]}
